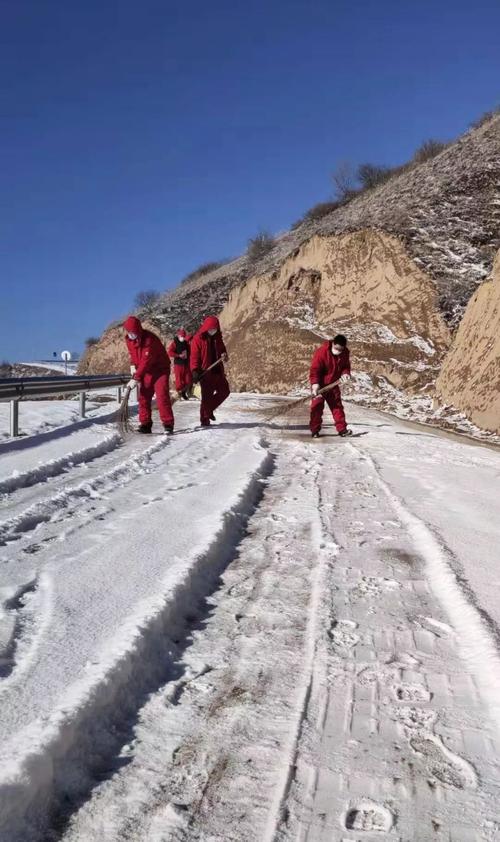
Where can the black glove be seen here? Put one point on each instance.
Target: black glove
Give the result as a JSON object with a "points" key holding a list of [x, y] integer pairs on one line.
{"points": [[197, 375]]}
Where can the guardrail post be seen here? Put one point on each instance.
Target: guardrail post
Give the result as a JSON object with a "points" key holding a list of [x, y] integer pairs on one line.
{"points": [[14, 418], [119, 394], [82, 404]]}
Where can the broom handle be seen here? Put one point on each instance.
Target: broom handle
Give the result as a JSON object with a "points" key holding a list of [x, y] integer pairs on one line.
{"points": [[327, 388], [211, 366]]}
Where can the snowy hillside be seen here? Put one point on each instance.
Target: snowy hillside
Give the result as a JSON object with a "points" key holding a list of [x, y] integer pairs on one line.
{"points": [[240, 634]]}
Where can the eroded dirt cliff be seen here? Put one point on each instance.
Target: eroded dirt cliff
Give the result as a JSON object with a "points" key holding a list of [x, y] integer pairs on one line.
{"points": [[362, 284], [470, 376]]}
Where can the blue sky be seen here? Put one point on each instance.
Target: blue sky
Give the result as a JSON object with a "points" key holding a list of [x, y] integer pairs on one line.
{"points": [[140, 139]]}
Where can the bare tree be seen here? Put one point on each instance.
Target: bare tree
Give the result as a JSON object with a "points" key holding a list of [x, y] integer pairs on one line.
{"points": [[146, 299], [344, 181]]}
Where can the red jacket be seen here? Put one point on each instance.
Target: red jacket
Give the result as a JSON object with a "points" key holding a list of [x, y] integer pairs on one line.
{"points": [[326, 368], [206, 349], [147, 352]]}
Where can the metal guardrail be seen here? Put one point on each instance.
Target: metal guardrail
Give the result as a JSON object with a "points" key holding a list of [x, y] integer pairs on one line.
{"points": [[16, 389]]}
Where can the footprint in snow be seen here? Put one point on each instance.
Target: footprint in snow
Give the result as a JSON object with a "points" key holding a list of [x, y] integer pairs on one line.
{"points": [[411, 693], [444, 765], [342, 634], [367, 815], [441, 763], [384, 674], [415, 719]]}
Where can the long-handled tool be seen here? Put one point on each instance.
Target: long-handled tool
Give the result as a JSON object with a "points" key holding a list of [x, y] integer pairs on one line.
{"points": [[296, 402], [123, 415], [220, 360]]}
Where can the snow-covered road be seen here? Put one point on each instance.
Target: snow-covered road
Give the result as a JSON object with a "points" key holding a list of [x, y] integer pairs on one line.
{"points": [[242, 634]]}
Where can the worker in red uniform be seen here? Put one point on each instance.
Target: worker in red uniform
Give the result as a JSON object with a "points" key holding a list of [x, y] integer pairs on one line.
{"points": [[330, 362], [178, 351], [207, 346], [151, 370]]}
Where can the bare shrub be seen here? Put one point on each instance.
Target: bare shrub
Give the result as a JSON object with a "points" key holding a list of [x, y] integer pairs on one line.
{"points": [[371, 175], [146, 299], [260, 245], [204, 269], [317, 212], [485, 118], [429, 149]]}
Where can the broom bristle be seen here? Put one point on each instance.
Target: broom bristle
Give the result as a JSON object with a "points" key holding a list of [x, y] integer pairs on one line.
{"points": [[296, 402], [286, 407], [123, 416]]}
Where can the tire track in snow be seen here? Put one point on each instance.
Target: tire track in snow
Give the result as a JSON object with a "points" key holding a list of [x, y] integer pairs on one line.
{"points": [[15, 610], [83, 738], [214, 745], [30, 623], [55, 467], [324, 546], [479, 646], [64, 502], [31, 607]]}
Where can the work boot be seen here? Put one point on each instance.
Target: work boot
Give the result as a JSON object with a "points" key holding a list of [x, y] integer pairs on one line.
{"points": [[345, 433], [315, 435], [212, 417], [169, 429], [205, 423], [145, 428]]}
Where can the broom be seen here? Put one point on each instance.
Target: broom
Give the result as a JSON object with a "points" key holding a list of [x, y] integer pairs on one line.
{"points": [[296, 402], [122, 415]]}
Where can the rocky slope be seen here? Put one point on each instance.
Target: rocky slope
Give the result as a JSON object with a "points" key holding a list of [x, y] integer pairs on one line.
{"points": [[394, 269]]}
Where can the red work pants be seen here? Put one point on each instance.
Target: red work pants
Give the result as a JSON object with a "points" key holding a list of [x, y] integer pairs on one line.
{"points": [[183, 378], [334, 401], [155, 384], [214, 390]]}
